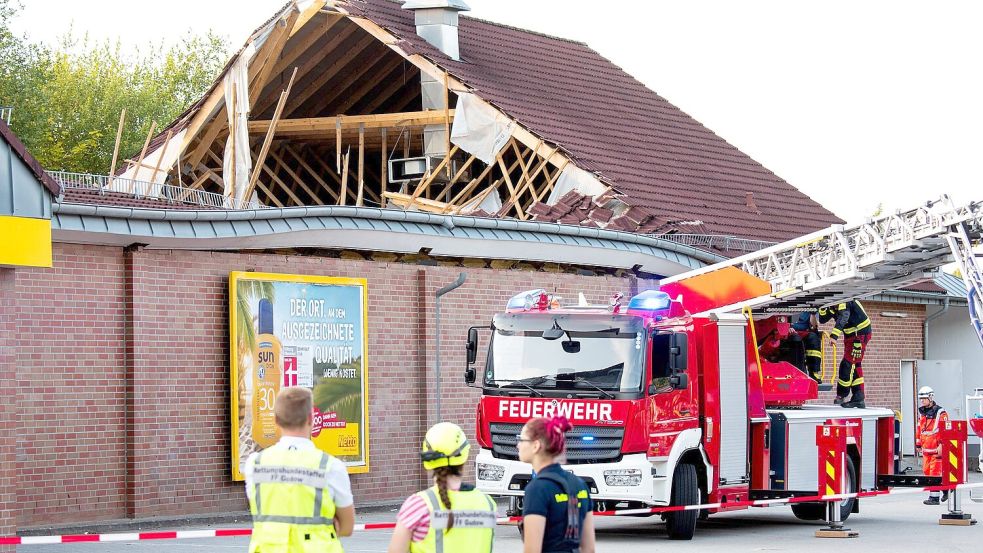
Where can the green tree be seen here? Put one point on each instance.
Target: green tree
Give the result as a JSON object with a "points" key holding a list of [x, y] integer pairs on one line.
{"points": [[67, 99]]}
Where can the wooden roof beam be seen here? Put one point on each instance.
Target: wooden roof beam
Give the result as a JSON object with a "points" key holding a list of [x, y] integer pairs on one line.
{"points": [[328, 125], [310, 89]]}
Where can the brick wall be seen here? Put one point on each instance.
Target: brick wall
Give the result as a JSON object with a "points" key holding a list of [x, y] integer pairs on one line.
{"points": [[8, 408], [124, 370], [123, 364]]}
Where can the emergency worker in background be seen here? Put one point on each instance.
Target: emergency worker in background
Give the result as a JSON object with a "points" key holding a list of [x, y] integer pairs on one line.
{"points": [[450, 517], [931, 419], [300, 497], [807, 328], [556, 509], [851, 322]]}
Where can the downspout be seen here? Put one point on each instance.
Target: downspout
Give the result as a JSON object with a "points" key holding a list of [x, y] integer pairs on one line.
{"points": [[460, 280], [930, 318]]}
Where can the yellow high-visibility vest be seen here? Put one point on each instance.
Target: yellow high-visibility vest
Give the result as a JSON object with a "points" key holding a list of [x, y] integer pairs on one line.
{"points": [[292, 508], [474, 523]]}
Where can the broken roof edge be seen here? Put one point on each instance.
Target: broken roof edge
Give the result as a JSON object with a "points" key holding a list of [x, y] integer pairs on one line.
{"points": [[447, 222]]}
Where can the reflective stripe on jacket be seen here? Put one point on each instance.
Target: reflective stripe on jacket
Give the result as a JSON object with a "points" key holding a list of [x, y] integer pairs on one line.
{"points": [[474, 523], [851, 318], [929, 423], [292, 508]]}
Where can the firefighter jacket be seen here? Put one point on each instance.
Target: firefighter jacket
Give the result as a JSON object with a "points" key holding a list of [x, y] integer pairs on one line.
{"points": [[474, 523], [930, 423], [850, 318], [292, 507]]}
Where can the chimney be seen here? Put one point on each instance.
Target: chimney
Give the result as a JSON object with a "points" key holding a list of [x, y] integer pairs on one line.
{"points": [[436, 22]]}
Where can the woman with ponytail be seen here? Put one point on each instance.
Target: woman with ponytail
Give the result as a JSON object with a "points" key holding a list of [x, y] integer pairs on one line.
{"points": [[556, 508], [450, 517]]}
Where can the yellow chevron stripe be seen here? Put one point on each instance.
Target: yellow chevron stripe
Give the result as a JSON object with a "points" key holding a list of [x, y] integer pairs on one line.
{"points": [[829, 490], [953, 460], [830, 470]]}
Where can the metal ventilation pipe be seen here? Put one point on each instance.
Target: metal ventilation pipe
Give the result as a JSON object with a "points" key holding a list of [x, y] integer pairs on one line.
{"points": [[436, 22]]}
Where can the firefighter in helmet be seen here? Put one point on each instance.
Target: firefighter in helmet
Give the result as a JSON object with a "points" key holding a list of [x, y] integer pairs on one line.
{"points": [[451, 516], [931, 419], [851, 322]]}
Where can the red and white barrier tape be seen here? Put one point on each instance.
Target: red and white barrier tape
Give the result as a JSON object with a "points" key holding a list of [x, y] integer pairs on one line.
{"points": [[229, 532]]}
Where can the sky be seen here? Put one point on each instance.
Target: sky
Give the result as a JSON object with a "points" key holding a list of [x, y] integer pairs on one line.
{"points": [[859, 104]]}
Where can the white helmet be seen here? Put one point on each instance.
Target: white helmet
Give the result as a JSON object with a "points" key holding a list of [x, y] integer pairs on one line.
{"points": [[926, 392]]}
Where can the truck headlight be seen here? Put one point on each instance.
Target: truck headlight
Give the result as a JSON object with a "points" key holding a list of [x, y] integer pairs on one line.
{"points": [[623, 477], [491, 473]]}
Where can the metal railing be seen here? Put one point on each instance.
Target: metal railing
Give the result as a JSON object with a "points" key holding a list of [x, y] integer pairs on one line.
{"points": [[723, 242], [150, 190], [6, 112]]}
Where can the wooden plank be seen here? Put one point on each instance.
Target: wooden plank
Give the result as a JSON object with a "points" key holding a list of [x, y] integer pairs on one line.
{"points": [[384, 170], [204, 114], [552, 180], [314, 87], [471, 185], [269, 195], [361, 165], [271, 48], [366, 76], [167, 141], [119, 134], [310, 63], [282, 184], [261, 158], [426, 180], [447, 118], [457, 175], [423, 204], [338, 142], [344, 178], [282, 165], [206, 141], [412, 79], [143, 152], [310, 170], [511, 187], [324, 125], [307, 15], [304, 45]]}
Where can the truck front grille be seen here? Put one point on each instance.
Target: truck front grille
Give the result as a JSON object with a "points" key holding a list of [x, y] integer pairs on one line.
{"points": [[602, 443]]}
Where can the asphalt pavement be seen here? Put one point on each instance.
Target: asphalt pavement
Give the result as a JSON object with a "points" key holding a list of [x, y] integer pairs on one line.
{"points": [[885, 524]]}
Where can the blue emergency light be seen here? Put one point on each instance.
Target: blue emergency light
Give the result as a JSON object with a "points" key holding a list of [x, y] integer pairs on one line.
{"points": [[650, 301]]}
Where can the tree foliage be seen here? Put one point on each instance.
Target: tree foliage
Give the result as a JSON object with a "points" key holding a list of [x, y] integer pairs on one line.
{"points": [[67, 99]]}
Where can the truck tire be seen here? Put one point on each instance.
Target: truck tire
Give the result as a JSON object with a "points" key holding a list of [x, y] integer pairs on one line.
{"points": [[681, 525], [817, 511]]}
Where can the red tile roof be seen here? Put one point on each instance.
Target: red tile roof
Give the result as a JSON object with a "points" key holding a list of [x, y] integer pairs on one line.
{"points": [[659, 158], [118, 199]]}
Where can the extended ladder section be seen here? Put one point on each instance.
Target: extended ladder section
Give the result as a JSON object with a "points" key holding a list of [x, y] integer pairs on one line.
{"points": [[961, 243], [850, 261]]}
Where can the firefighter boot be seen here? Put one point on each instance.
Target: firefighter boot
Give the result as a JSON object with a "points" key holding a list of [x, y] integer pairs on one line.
{"points": [[857, 401], [839, 400], [932, 500], [945, 496]]}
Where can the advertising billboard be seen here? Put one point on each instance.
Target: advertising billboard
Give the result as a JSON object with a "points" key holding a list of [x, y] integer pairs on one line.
{"points": [[298, 330]]}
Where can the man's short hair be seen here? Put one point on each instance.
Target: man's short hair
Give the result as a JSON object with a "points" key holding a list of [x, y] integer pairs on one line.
{"points": [[293, 407]]}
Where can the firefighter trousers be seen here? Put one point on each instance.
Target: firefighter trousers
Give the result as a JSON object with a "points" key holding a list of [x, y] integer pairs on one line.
{"points": [[851, 372]]}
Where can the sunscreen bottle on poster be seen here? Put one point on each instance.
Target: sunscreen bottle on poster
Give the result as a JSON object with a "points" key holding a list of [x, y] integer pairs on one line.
{"points": [[266, 378]]}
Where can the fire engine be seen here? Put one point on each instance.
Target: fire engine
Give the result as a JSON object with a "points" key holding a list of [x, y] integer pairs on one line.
{"points": [[681, 396]]}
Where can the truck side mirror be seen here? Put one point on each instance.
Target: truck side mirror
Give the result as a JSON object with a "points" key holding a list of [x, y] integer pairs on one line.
{"points": [[678, 353], [469, 376], [679, 381], [472, 346]]}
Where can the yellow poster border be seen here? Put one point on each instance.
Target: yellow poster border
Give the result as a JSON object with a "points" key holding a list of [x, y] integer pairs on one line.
{"points": [[234, 278]]}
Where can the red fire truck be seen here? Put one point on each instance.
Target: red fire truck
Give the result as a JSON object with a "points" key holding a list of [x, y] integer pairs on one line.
{"points": [[676, 399]]}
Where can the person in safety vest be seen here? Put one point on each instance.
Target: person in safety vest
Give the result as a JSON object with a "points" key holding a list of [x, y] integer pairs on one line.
{"points": [[300, 497], [556, 508], [932, 417], [451, 516], [807, 329], [851, 322]]}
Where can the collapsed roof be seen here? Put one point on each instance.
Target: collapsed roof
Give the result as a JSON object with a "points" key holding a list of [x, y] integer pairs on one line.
{"points": [[346, 103]]}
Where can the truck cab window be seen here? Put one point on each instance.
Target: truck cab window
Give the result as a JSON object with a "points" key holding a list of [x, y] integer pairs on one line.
{"points": [[660, 357]]}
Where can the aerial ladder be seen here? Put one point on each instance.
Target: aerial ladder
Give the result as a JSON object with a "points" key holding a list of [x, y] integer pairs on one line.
{"points": [[844, 262]]}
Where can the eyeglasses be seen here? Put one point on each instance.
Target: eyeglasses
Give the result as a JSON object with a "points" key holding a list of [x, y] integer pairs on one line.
{"points": [[519, 437]]}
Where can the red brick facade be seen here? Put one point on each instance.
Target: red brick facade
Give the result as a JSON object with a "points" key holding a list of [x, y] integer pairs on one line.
{"points": [[122, 370]]}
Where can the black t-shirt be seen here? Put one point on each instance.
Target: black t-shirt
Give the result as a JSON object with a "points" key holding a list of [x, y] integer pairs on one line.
{"points": [[541, 498]]}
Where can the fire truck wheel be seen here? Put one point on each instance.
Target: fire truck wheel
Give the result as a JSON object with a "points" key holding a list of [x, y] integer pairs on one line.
{"points": [[817, 511], [681, 525]]}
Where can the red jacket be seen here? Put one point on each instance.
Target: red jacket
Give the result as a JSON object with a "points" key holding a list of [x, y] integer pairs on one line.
{"points": [[930, 424]]}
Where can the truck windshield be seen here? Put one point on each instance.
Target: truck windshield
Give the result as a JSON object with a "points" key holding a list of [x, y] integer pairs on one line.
{"points": [[597, 352]]}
